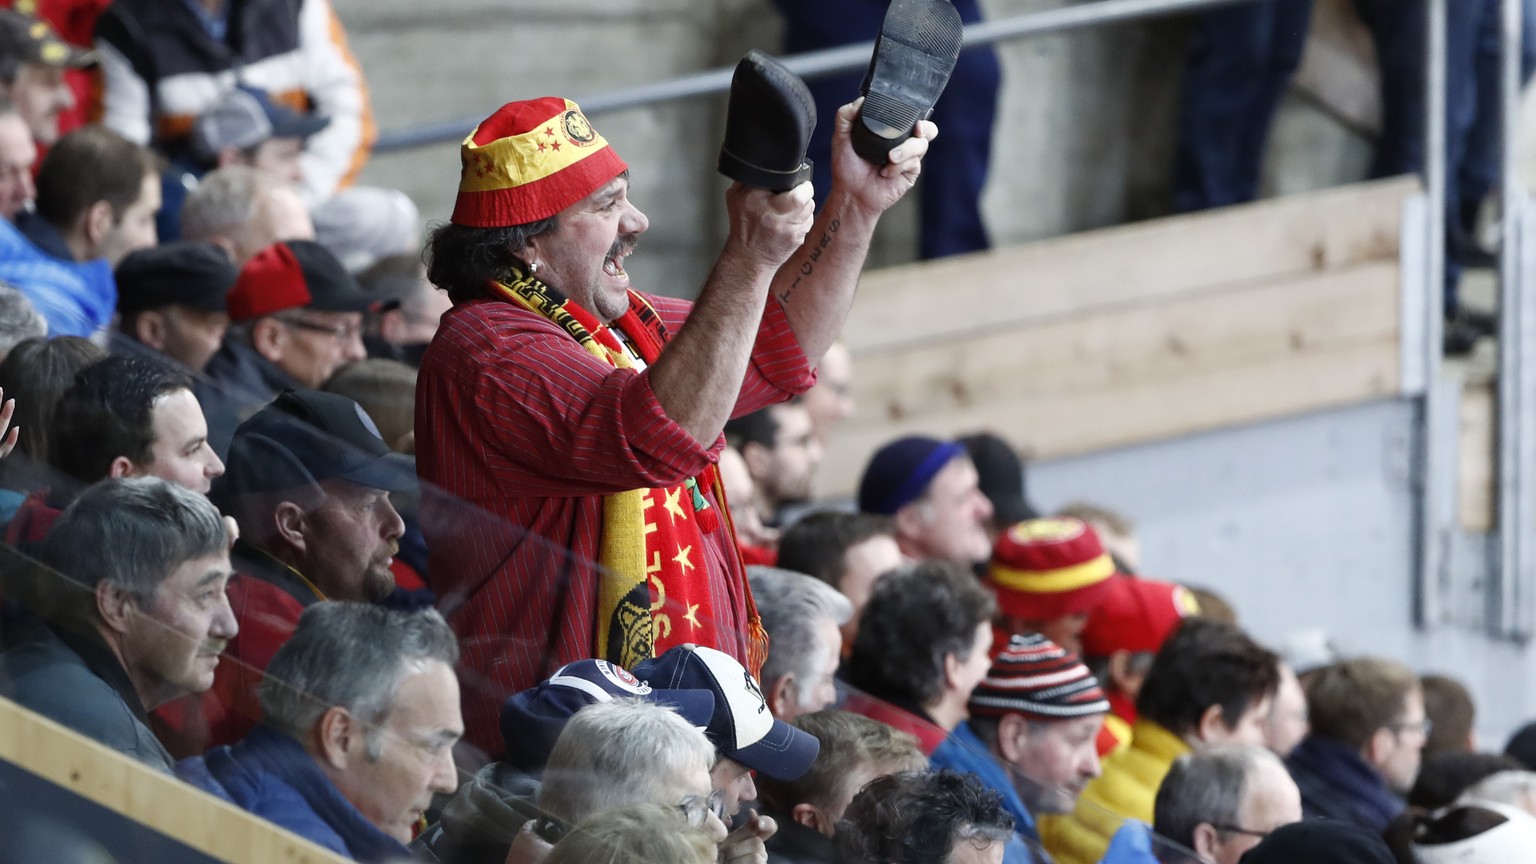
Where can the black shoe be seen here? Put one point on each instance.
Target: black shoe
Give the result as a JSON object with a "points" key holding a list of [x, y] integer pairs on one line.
{"points": [[768, 125], [1459, 337], [914, 56]]}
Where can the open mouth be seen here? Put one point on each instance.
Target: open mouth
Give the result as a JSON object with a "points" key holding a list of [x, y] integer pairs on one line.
{"points": [[613, 265]]}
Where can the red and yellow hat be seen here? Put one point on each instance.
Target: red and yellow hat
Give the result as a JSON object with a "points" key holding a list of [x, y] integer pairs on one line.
{"points": [[529, 161], [1044, 569]]}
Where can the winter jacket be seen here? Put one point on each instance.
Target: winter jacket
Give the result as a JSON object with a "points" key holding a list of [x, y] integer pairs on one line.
{"points": [[77, 681], [270, 775], [1337, 783], [161, 69], [481, 821]]}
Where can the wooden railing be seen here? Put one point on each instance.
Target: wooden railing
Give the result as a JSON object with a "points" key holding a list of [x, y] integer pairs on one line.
{"points": [[193, 822], [1136, 333]]}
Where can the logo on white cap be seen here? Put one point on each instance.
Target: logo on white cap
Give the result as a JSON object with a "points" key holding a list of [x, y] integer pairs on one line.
{"points": [[750, 717]]}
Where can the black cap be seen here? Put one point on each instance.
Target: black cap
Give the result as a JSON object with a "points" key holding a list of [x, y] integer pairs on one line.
{"points": [[306, 436], [33, 40], [185, 273]]}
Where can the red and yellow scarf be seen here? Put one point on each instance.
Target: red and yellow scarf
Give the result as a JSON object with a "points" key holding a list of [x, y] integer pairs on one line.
{"points": [[653, 588]]}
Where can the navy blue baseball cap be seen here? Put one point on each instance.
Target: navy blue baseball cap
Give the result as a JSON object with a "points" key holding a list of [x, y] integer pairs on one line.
{"points": [[742, 728], [531, 721]]}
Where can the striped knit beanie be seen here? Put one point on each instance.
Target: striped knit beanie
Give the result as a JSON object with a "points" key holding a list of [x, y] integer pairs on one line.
{"points": [[1040, 680], [529, 161]]}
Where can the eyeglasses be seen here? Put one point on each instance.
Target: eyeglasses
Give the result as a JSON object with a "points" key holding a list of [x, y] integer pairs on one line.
{"points": [[1233, 829], [1423, 727], [697, 807], [338, 331]]}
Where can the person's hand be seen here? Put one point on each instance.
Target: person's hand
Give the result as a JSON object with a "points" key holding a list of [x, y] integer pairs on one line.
{"points": [[876, 187], [8, 441], [769, 226], [745, 845]]}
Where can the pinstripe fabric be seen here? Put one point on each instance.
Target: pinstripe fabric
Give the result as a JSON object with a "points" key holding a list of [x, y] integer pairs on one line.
{"points": [[519, 434]]}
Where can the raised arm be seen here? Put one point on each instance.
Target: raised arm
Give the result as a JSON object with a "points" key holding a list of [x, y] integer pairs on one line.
{"points": [[698, 376], [817, 284]]}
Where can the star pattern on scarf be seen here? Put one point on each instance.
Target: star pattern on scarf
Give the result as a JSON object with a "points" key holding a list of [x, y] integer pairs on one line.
{"points": [[681, 559], [692, 616], [674, 503]]}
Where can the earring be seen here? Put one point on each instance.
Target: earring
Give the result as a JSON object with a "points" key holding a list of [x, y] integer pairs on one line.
{"points": [[533, 269]]}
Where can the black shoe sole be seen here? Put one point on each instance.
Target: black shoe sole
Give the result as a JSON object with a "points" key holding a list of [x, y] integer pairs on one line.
{"points": [[914, 56]]}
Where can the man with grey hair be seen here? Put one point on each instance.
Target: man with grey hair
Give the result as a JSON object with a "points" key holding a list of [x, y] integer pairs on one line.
{"points": [[803, 617], [623, 752], [1220, 802], [19, 320], [244, 210], [132, 592], [361, 712]]}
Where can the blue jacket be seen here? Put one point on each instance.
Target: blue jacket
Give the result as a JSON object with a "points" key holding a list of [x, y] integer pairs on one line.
{"points": [[76, 298], [1337, 783], [270, 775], [966, 753]]}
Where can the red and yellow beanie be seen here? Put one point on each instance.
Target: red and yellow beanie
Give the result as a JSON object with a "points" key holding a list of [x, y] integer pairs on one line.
{"points": [[1043, 569], [529, 161]]}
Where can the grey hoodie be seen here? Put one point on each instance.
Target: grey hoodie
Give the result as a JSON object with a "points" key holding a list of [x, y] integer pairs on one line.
{"points": [[479, 824]]}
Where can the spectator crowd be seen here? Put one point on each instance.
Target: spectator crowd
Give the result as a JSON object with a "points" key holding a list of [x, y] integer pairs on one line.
{"points": [[491, 559]]}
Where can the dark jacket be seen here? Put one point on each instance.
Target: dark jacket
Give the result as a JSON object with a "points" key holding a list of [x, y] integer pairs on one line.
{"points": [[794, 843], [1337, 783], [77, 681], [236, 384], [480, 822], [271, 776]]}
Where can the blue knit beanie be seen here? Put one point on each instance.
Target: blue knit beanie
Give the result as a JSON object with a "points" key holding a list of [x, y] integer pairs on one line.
{"points": [[899, 472]]}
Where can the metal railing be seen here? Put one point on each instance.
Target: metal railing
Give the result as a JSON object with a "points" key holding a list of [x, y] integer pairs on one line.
{"points": [[1512, 611], [819, 64]]}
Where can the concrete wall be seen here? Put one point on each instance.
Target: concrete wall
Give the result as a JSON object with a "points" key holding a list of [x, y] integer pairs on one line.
{"points": [[1084, 137]]}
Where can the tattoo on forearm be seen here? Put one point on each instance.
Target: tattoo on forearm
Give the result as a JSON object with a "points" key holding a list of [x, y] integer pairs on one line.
{"points": [[809, 266]]}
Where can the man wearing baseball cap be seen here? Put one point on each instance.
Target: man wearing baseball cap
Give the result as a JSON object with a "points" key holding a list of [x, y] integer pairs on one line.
{"points": [[932, 491], [580, 416], [1123, 633], [483, 818], [1030, 736], [308, 480], [746, 734], [171, 299], [296, 316], [32, 63]]}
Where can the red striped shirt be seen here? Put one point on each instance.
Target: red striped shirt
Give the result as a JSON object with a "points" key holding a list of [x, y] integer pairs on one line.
{"points": [[519, 434]]}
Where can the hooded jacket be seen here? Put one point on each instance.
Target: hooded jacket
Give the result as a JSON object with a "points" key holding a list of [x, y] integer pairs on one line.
{"points": [[481, 821]]}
